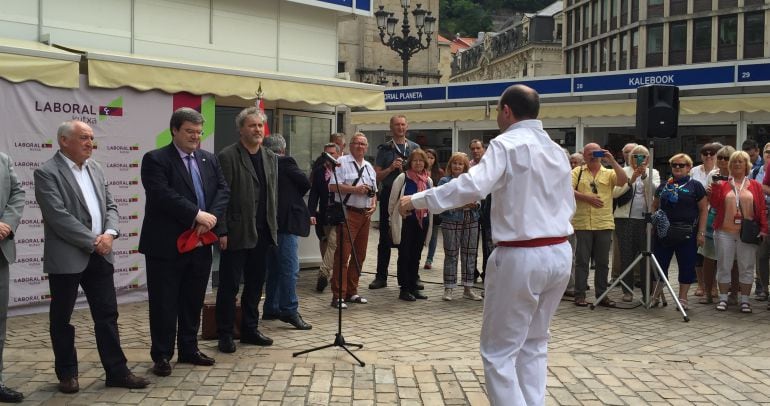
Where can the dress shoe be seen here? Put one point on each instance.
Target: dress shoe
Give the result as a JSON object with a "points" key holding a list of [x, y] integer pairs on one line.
{"points": [[256, 338], [129, 381], [270, 316], [226, 344], [196, 358], [8, 395], [296, 321], [418, 295], [69, 385], [419, 285], [378, 283], [161, 367], [406, 295], [321, 284]]}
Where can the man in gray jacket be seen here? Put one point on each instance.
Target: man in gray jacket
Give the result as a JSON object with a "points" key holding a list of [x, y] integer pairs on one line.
{"points": [[249, 228], [11, 207], [81, 221]]}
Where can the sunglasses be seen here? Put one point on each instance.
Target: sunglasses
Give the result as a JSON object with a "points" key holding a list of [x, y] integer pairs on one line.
{"points": [[767, 152], [708, 153], [723, 158], [675, 165], [593, 188]]}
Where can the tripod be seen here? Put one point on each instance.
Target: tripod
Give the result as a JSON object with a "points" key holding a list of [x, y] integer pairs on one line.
{"points": [[339, 339], [646, 299]]}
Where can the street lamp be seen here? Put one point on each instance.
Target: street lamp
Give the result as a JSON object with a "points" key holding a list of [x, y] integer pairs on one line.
{"points": [[405, 45], [382, 80]]}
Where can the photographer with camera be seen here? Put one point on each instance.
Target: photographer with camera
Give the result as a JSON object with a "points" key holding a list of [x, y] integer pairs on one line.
{"points": [[358, 187], [630, 213], [593, 185], [388, 164]]}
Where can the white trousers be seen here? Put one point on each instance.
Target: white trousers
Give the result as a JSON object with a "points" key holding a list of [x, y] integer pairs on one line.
{"points": [[523, 288], [729, 248]]}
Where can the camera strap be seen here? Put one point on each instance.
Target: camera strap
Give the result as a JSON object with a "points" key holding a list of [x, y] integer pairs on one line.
{"points": [[355, 182]]}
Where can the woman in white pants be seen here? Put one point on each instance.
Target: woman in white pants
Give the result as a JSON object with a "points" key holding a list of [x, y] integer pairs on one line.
{"points": [[737, 200]]}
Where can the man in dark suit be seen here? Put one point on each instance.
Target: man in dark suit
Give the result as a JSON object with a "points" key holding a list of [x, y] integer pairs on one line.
{"points": [[281, 300], [185, 190], [317, 203], [248, 231], [80, 223], [11, 207]]}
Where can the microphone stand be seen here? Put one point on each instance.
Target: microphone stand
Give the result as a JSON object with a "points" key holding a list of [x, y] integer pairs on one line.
{"points": [[339, 339]]}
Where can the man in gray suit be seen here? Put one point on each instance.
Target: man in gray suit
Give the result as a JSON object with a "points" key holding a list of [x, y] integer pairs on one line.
{"points": [[249, 228], [80, 223], [11, 207]]}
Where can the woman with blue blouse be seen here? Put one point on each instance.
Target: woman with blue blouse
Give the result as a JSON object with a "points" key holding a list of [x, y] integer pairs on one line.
{"points": [[684, 202]]}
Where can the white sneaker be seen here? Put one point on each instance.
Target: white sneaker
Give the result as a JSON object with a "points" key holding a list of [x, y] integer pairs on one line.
{"points": [[447, 294], [469, 294]]}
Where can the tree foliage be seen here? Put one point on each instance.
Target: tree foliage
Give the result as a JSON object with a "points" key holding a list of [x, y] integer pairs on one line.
{"points": [[469, 17]]}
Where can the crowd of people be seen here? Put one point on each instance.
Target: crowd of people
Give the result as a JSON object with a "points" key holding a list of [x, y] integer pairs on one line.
{"points": [[550, 223], [712, 217]]}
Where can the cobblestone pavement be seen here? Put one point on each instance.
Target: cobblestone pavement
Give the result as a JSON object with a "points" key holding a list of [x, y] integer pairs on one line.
{"points": [[423, 352]]}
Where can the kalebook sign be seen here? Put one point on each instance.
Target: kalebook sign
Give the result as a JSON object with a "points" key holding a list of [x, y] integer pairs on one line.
{"points": [[740, 73]]}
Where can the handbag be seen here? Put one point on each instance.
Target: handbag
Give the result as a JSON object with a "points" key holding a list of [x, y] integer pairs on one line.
{"points": [[334, 214], [677, 234], [623, 199], [749, 229]]}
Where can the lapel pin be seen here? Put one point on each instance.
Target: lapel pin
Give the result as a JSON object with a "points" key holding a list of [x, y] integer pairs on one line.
{"points": [[203, 159]]}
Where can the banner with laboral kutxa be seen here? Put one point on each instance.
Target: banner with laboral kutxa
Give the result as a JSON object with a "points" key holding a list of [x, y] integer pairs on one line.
{"points": [[126, 124]]}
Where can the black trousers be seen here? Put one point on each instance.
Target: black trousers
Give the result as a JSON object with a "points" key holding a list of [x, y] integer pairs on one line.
{"points": [[385, 242], [252, 264], [176, 289], [410, 251], [99, 286]]}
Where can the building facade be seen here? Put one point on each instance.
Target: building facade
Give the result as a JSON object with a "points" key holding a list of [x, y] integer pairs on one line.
{"points": [[608, 35], [530, 47]]}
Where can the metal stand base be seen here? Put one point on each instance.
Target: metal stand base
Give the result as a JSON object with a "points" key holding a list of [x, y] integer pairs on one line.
{"points": [[339, 341]]}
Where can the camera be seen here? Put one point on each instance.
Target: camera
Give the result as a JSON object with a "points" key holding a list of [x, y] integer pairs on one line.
{"points": [[598, 154], [370, 192], [717, 178]]}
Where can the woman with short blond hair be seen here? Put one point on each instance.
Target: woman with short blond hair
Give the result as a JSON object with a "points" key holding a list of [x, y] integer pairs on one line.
{"points": [[737, 200]]}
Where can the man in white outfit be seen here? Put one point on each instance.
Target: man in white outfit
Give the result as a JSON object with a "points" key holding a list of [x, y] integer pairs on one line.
{"points": [[532, 204]]}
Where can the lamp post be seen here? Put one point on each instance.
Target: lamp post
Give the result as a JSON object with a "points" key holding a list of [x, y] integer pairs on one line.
{"points": [[382, 80], [405, 45]]}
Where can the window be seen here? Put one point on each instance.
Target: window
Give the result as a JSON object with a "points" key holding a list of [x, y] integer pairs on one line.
{"points": [[613, 53], [594, 57], [597, 17], [605, 8], [728, 37], [586, 22], [634, 57], [623, 51], [701, 40], [753, 35], [585, 59], [614, 14], [577, 25], [677, 8], [603, 55], [654, 8], [341, 67], [701, 5], [677, 43], [724, 4], [654, 45], [634, 11], [568, 62], [624, 6]]}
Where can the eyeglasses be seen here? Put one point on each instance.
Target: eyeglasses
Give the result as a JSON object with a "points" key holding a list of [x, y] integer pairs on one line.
{"points": [[639, 156], [593, 188], [708, 153], [723, 158], [678, 165], [363, 144]]}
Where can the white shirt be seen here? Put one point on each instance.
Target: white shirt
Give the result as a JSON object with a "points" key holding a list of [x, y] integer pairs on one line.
{"points": [[529, 177], [699, 173], [89, 193], [347, 173]]}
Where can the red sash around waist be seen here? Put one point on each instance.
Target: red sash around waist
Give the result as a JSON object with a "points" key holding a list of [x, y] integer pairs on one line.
{"points": [[537, 242]]}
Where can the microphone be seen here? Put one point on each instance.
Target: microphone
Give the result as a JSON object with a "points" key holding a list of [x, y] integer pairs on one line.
{"points": [[330, 159]]}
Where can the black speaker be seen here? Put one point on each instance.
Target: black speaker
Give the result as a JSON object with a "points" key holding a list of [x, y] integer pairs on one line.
{"points": [[657, 111]]}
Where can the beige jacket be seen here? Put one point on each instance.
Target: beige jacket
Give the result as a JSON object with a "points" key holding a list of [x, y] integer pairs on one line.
{"points": [[393, 203]]}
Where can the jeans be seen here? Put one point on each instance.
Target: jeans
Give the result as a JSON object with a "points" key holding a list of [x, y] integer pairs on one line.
{"points": [[282, 271]]}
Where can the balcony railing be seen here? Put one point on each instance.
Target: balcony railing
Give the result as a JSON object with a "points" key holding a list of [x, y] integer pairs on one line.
{"points": [[501, 44]]}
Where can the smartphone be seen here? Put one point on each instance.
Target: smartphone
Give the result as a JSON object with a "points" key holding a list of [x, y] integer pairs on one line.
{"points": [[598, 154], [640, 160]]}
